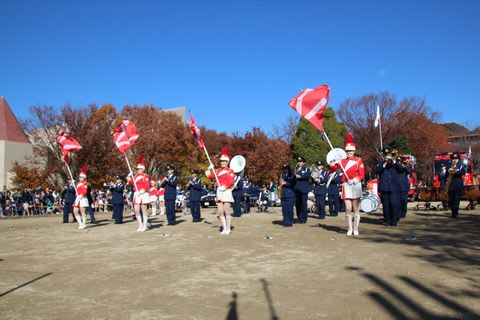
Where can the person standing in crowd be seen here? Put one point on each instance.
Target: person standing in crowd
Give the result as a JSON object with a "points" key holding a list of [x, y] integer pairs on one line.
{"points": [[195, 186], [170, 184], [153, 194], [352, 186], [455, 184], [320, 178], [334, 180], [405, 171], [237, 195], [141, 197], [226, 178], [118, 199], [287, 182], [81, 201], [69, 195], [302, 188], [389, 186]]}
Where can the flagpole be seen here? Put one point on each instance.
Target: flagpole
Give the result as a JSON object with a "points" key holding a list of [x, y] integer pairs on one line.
{"points": [[380, 127], [331, 146], [210, 161], [130, 170], [71, 178]]}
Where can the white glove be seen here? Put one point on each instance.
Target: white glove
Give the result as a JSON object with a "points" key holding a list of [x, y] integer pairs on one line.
{"points": [[211, 167], [221, 188], [350, 182], [130, 173]]}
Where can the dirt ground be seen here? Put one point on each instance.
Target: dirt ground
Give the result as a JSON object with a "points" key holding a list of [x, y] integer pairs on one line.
{"points": [[426, 268]]}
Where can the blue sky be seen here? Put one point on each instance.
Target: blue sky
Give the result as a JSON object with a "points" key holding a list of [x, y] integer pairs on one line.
{"points": [[236, 64]]}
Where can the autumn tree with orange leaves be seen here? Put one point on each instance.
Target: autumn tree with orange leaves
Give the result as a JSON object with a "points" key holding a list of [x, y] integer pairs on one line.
{"points": [[410, 119]]}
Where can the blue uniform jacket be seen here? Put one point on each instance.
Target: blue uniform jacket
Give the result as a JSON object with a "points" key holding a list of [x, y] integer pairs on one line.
{"points": [[320, 187], [238, 190], [69, 194], [89, 195], [442, 177], [404, 172], [170, 185], [195, 190], [336, 180], [288, 189], [117, 193], [457, 181], [389, 177], [303, 184]]}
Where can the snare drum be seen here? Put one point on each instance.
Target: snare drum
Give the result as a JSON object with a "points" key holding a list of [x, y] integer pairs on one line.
{"points": [[369, 202]]}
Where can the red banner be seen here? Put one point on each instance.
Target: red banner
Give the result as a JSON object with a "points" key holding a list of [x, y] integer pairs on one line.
{"points": [[311, 103]]}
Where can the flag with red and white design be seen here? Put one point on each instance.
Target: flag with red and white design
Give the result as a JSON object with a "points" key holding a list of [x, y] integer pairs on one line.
{"points": [[67, 144], [311, 103], [196, 132], [125, 135]]}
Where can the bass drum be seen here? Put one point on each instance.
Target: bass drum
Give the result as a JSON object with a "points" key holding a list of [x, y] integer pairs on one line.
{"points": [[369, 202]]}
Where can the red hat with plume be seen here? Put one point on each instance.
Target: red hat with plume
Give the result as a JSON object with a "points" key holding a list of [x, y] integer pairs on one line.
{"points": [[225, 156], [140, 164], [83, 173], [349, 145]]}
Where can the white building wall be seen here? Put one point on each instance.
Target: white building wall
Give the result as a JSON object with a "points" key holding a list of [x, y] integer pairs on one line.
{"points": [[9, 153]]}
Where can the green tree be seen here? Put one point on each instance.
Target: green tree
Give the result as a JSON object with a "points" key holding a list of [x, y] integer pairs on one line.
{"points": [[309, 143]]}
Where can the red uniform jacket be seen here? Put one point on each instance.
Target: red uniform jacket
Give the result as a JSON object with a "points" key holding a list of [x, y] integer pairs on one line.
{"points": [[142, 180], [82, 188], [161, 192], [226, 177], [354, 169], [153, 191]]}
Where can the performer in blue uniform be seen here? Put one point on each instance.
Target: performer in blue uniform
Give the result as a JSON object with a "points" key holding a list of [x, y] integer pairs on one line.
{"points": [[456, 185], [389, 186], [118, 199], [237, 195], [90, 204], [69, 195], [247, 189], [405, 171], [302, 188], [334, 181], [195, 186], [170, 184], [320, 178], [287, 182]]}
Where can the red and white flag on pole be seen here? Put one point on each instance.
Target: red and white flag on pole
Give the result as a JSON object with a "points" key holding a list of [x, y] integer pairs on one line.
{"points": [[196, 132], [311, 103], [125, 135], [68, 144]]}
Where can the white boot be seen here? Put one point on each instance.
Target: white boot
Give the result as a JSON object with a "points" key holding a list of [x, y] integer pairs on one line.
{"points": [[145, 222], [140, 224], [224, 225], [162, 210], [356, 223], [154, 211], [350, 227], [228, 225]]}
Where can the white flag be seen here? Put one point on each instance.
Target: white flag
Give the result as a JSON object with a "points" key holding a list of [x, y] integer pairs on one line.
{"points": [[377, 119]]}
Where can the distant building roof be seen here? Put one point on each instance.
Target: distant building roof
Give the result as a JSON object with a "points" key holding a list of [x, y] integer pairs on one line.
{"points": [[10, 129]]}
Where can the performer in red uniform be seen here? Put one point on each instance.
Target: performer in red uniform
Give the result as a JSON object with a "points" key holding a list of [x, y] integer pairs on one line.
{"points": [[354, 172], [161, 197], [153, 192], [81, 201], [141, 197], [226, 179]]}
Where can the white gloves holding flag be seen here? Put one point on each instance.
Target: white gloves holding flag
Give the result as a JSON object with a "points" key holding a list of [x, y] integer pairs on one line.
{"points": [[221, 188]]}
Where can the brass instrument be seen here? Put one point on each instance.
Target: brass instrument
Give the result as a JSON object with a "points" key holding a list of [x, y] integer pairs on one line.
{"points": [[315, 174], [451, 171], [280, 186]]}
